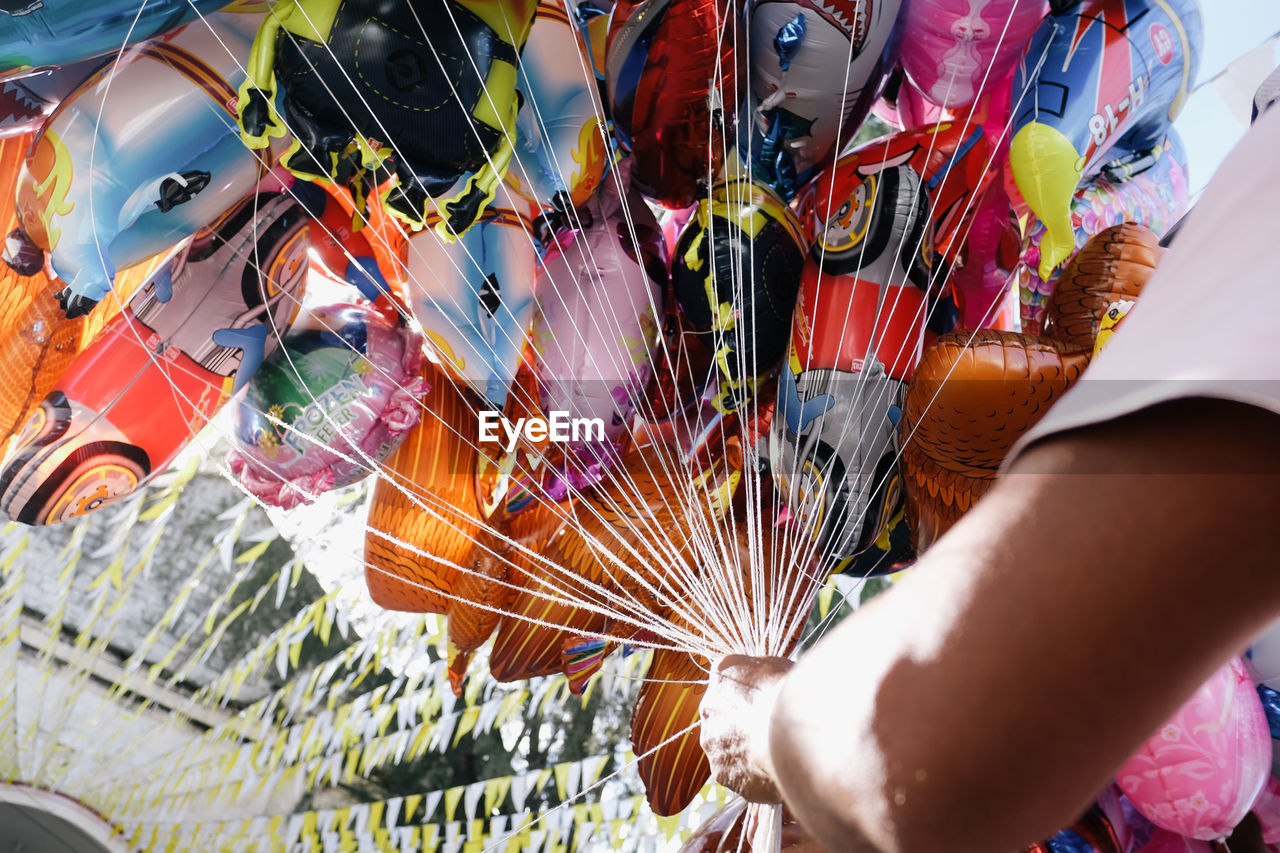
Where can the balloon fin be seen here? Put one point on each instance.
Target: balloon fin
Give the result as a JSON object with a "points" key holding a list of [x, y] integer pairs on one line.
{"points": [[252, 343], [1047, 168], [671, 761], [524, 649], [582, 658], [458, 662], [424, 518], [481, 595]]}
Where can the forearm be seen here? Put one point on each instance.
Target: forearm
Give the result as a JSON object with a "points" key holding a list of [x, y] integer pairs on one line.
{"points": [[971, 709]]}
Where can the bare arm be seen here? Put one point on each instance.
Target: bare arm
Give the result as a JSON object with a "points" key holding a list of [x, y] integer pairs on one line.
{"points": [[985, 700]]}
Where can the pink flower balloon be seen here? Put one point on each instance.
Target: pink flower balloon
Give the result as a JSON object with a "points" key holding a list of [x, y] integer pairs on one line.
{"points": [[1201, 772], [954, 50]]}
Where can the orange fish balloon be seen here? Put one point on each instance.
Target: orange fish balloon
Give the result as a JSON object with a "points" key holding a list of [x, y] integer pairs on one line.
{"points": [[424, 518]]}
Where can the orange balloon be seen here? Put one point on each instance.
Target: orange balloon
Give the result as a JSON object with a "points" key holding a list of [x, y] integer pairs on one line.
{"points": [[673, 772], [486, 591], [435, 466], [642, 501], [976, 393], [37, 341], [1115, 264]]}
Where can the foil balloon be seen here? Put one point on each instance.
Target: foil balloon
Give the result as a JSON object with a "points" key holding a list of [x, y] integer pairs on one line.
{"points": [[1200, 773], [816, 69], [159, 370], [954, 49], [901, 106], [561, 147], [37, 341], [40, 343], [140, 157], [975, 394], [665, 723], [354, 247], [428, 90], [614, 525], [504, 555], [736, 272], [1097, 90], [958, 160], [423, 516], [1157, 198], [665, 730], [599, 295], [333, 402], [986, 263], [475, 297], [35, 34], [673, 71], [856, 337], [27, 102]]}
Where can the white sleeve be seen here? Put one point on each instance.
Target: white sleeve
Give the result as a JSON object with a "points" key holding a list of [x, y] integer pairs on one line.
{"points": [[1208, 322]]}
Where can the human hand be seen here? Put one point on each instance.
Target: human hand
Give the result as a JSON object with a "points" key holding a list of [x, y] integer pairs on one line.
{"points": [[736, 710]]}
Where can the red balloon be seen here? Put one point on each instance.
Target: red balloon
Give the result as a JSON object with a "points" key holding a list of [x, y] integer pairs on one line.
{"points": [[665, 72]]}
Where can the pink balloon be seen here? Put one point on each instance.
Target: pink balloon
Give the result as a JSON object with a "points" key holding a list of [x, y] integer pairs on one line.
{"points": [[1267, 810], [596, 326], [989, 258], [909, 110], [336, 398], [1164, 841], [1201, 772], [953, 50]]}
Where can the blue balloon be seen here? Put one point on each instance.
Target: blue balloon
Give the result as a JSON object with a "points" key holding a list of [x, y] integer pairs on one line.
{"points": [[41, 33]]}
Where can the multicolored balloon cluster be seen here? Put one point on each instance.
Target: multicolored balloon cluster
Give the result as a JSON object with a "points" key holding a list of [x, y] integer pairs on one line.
{"points": [[645, 216]]}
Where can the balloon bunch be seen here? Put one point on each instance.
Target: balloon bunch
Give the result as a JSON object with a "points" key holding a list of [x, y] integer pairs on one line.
{"points": [[633, 338]]}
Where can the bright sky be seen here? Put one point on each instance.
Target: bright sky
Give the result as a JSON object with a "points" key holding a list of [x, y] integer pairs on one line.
{"points": [[1217, 114]]}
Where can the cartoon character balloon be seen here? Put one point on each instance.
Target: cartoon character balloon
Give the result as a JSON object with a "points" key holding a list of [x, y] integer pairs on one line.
{"points": [[1157, 198], [562, 148], [976, 392], [954, 49], [1098, 89], [140, 158], [816, 68], [736, 271], [331, 404], [35, 34], [474, 297], [427, 89], [158, 371]]}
